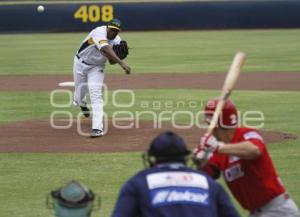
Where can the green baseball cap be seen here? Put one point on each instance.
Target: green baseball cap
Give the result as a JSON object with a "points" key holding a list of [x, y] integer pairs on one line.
{"points": [[114, 24]]}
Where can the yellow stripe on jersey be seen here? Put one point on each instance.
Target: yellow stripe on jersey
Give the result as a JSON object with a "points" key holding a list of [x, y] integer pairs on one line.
{"points": [[90, 41], [103, 42], [86, 44]]}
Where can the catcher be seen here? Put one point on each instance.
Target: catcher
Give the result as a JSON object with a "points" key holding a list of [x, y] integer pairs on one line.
{"points": [[73, 200], [102, 43]]}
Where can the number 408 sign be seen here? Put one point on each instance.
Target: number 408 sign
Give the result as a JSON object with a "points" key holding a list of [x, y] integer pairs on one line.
{"points": [[94, 13]]}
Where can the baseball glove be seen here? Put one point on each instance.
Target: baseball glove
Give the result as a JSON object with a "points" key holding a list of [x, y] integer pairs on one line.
{"points": [[121, 50]]}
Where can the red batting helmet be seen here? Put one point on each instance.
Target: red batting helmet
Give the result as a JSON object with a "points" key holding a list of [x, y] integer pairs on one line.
{"points": [[228, 117]]}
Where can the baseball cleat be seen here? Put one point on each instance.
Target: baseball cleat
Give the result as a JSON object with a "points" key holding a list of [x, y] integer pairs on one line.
{"points": [[85, 110], [96, 133], [75, 103]]}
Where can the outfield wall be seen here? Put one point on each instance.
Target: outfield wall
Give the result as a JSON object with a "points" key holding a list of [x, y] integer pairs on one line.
{"points": [[152, 16]]}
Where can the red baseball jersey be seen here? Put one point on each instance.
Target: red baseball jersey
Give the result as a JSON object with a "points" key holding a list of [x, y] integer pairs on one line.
{"points": [[252, 182]]}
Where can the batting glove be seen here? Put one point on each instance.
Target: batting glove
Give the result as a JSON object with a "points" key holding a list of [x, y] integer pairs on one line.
{"points": [[200, 157], [209, 143], [200, 154]]}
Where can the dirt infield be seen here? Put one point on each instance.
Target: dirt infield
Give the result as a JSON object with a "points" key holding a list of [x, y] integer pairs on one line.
{"points": [[39, 136], [247, 81]]}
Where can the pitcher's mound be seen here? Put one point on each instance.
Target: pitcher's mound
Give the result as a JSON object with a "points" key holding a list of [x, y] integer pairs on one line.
{"points": [[39, 136]]}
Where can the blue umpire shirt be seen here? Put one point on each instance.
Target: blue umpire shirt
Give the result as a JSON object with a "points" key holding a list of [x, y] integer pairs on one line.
{"points": [[173, 190]]}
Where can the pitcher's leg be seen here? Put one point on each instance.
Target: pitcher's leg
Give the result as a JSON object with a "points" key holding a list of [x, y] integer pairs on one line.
{"points": [[95, 84], [80, 83]]}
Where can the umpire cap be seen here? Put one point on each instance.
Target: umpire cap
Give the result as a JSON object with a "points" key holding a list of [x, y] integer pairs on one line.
{"points": [[168, 145], [73, 200]]}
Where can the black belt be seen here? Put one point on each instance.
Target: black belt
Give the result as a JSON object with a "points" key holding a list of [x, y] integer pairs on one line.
{"points": [[78, 57]]}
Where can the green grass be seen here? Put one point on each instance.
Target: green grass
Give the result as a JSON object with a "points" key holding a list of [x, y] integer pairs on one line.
{"points": [[25, 179], [33, 105], [29, 177], [179, 51]]}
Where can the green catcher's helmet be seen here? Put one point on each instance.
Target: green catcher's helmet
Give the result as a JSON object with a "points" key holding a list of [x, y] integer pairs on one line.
{"points": [[72, 200]]}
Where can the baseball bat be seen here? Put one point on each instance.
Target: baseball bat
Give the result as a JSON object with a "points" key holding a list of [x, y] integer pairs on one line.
{"points": [[229, 83]]}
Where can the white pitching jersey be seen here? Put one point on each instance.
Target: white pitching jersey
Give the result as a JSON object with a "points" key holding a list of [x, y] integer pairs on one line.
{"points": [[89, 50]]}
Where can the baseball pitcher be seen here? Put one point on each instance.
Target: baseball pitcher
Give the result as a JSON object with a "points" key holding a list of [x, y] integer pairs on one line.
{"points": [[102, 43]]}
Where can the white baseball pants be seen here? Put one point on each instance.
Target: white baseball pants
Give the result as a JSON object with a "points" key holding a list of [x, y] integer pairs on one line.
{"points": [[89, 79], [278, 207]]}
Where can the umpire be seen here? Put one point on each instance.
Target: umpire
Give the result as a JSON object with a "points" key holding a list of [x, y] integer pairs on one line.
{"points": [[169, 188]]}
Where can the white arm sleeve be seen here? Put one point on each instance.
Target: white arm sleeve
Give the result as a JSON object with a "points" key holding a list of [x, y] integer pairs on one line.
{"points": [[99, 37]]}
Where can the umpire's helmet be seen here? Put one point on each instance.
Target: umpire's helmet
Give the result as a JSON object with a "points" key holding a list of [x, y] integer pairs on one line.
{"points": [[167, 147], [72, 200], [228, 117], [114, 24]]}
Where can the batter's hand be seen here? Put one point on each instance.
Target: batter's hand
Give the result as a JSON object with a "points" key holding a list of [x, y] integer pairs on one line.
{"points": [[126, 68], [199, 153], [209, 143], [200, 157]]}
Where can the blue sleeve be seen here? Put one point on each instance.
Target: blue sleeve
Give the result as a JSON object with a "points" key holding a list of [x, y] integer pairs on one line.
{"points": [[225, 207], [127, 203]]}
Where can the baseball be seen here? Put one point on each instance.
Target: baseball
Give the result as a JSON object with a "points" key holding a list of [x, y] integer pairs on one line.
{"points": [[40, 8]]}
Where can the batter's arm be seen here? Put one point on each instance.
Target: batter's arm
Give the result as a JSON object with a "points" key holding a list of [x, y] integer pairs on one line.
{"points": [[110, 54], [244, 150]]}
